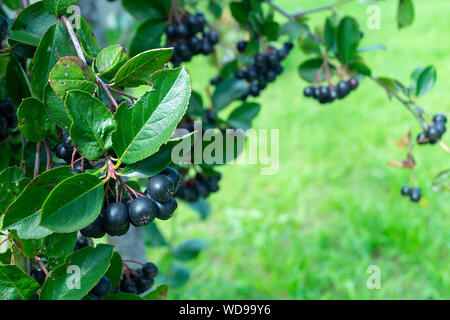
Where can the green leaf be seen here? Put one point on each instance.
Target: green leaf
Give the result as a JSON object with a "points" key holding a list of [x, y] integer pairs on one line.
{"points": [[156, 162], [405, 13], [178, 275], [15, 284], [34, 195], [17, 82], [441, 183], [71, 73], [73, 204], [330, 34], [308, 70], [361, 68], [189, 249], [348, 39], [143, 10], [240, 12], [110, 60], [56, 109], [89, 43], [242, 116], [148, 36], [12, 183], [228, 91], [124, 296], [157, 293], [114, 272], [31, 24], [29, 228], [138, 70], [58, 7], [202, 207], [59, 244], [294, 29], [91, 263], [33, 120], [92, 124], [195, 107], [153, 237], [142, 129], [425, 81], [270, 29]]}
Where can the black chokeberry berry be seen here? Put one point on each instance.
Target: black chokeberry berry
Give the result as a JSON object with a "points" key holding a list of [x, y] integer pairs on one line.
{"points": [[38, 274], [159, 188], [416, 194], [171, 31], [241, 46], [128, 286], [143, 284], [440, 117], [6, 107], [182, 30], [142, 211], [440, 127], [63, 153], [212, 36], [102, 288], [150, 270], [174, 175], [240, 74], [206, 47], [406, 190], [433, 133], [422, 138], [67, 142], [95, 229], [353, 83], [116, 219], [195, 44], [343, 88], [166, 210]]}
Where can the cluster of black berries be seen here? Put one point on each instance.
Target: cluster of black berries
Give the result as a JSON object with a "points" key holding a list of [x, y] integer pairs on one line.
{"points": [[138, 281], [8, 118], [414, 193], [435, 131], [199, 187], [190, 37], [331, 93], [264, 69], [159, 203], [64, 150]]}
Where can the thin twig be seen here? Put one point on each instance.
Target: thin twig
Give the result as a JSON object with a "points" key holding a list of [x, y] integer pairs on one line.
{"points": [[37, 159], [80, 54], [122, 93], [49, 156]]}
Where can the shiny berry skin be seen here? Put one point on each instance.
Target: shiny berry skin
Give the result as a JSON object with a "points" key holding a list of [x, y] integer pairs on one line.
{"points": [[343, 88], [206, 47], [171, 31], [95, 229], [143, 284], [166, 210], [433, 133], [150, 270], [422, 138], [406, 190], [39, 275], [440, 117], [174, 177], [142, 211], [415, 195], [116, 219], [159, 188], [440, 127], [308, 92], [67, 142], [63, 153], [213, 37], [241, 46], [353, 83]]}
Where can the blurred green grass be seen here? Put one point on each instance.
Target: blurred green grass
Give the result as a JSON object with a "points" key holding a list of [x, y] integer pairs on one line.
{"points": [[334, 208]]}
